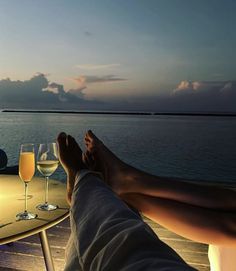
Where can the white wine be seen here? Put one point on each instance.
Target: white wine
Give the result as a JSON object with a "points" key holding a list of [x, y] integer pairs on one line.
{"points": [[47, 167]]}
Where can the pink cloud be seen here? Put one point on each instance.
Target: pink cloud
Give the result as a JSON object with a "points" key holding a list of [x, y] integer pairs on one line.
{"points": [[203, 86]]}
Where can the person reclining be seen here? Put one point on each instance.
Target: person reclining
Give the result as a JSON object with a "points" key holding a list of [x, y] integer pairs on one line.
{"points": [[202, 213], [105, 233]]}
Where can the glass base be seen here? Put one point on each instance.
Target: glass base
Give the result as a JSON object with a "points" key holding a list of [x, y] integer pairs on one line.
{"points": [[47, 207], [25, 216]]}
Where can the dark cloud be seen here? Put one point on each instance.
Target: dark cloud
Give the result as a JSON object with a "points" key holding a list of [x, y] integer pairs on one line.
{"points": [[78, 92], [57, 89], [19, 91], [64, 95], [206, 95], [197, 96], [187, 96], [38, 92]]}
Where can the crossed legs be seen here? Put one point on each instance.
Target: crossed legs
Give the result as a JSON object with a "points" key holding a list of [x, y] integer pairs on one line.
{"points": [[202, 213], [106, 233]]}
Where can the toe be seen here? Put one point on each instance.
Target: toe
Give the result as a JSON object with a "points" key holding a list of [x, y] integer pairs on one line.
{"points": [[88, 136], [91, 136], [88, 160], [61, 141], [87, 140], [73, 145]]}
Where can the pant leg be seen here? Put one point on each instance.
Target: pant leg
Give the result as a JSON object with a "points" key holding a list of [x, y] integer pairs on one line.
{"points": [[71, 256], [108, 235]]}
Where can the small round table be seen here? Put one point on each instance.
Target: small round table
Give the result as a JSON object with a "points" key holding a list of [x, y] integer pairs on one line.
{"points": [[12, 202]]}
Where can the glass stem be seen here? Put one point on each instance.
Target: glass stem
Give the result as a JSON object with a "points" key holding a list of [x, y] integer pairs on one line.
{"points": [[26, 196], [46, 190]]}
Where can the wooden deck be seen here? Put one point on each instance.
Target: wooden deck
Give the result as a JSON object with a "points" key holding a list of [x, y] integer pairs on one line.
{"points": [[26, 254]]}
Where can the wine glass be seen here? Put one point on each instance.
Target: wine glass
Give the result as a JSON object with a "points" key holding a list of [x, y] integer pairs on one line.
{"points": [[47, 163], [26, 172]]}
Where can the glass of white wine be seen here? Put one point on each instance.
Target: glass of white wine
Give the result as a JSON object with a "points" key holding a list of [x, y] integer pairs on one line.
{"points": [[26, 172], [47, 163]]}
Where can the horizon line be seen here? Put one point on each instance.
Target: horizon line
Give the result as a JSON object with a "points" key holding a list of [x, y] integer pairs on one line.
{"points": [[213, 114]]}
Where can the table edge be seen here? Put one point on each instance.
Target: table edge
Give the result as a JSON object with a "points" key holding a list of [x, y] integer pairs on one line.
{"points": [[36, 230]]}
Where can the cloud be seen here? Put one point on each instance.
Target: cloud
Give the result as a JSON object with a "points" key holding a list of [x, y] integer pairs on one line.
{"points": [[188, 96], [54, 88], [38, 92], [212, 88], [97, 67], [78, 92], [23, 89], [83, 79], [57, 89], [215, 96]]}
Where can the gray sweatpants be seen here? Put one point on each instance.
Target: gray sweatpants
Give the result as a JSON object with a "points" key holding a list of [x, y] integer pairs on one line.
{"points": [[107, 235]]}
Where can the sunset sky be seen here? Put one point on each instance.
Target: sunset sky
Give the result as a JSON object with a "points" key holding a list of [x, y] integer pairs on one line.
{"points": [[139, 54]]}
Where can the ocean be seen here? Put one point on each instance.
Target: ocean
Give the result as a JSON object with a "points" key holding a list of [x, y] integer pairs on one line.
{"points": [[191, 147]]}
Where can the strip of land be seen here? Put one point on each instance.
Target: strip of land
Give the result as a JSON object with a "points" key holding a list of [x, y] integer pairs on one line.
{"points": [[207, 114]]}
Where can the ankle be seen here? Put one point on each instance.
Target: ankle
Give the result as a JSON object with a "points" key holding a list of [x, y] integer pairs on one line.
{"points": [[132, 183]]}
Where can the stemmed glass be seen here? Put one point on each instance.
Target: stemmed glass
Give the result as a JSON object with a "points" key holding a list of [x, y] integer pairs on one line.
{"points": [[26, 172], [47, 163]]}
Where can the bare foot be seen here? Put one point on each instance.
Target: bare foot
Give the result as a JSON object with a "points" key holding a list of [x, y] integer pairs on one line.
{"points": [[115, 172], [70, 156]]}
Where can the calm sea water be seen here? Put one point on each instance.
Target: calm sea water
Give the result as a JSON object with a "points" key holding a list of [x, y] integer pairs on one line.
{"points": [[202, 148]]}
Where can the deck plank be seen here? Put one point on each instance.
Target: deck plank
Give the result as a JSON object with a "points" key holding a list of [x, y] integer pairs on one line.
{"points": [[26, 254], [27, 262], [33, 249]]}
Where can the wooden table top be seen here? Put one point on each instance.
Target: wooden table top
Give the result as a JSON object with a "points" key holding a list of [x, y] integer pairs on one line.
{"points": [[12, 203]]}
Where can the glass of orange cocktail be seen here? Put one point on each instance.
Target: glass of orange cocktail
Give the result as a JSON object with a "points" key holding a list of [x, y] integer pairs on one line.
{"points": [[26, 172]]}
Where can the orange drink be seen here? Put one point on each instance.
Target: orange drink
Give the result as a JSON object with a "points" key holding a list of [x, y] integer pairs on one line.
{"points": [[26, 166], [26, 172]]}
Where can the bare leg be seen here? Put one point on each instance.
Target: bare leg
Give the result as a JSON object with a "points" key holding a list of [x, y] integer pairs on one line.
{"points": [[196, 223], [198, 212], [126, 179]]}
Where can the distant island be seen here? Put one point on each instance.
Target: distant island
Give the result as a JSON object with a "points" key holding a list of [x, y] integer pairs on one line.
{"points": [[122, 113]]}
